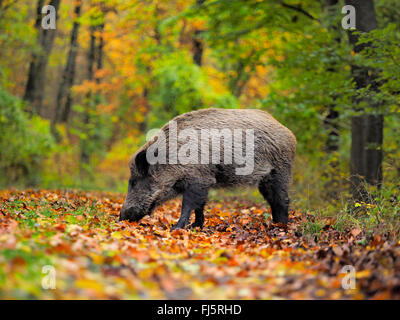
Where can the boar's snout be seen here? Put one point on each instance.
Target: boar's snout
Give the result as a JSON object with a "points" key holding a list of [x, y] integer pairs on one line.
{"points": [[130, 214]]}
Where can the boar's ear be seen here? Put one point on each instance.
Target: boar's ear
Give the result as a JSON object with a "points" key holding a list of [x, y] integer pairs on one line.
{"points": [[141, 163]]}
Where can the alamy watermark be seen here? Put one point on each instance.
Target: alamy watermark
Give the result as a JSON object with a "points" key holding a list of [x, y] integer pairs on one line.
{"points": [[203, 146], [349, 280], [49, 280], [49, 21], [349, 20]]}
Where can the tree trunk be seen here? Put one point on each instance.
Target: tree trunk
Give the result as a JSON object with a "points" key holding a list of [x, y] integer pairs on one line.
{"points": [[90, 76], [366, 128], [95, 62], [198, 46], [35, 85], [64, 99], [330, 122], [100, 50], [237, 83]]}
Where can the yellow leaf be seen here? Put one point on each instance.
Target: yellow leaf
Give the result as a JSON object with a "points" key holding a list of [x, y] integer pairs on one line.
{"points": [[88, 284], [363, 274], [117, 235]]}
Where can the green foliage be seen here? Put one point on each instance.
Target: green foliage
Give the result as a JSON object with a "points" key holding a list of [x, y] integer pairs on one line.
{"points": [[230, 20], [17, 39], [24, 142], [312, 229], [383, 55], [388, 11], [180, 86], [378, 215], [313, 76], [93, 129]]}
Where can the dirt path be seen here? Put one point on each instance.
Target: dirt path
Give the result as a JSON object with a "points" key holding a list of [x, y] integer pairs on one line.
{"points": [[239, 254]]}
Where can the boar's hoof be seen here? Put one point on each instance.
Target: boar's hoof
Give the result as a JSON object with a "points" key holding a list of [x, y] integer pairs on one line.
{"points": [[196, 225], [281, 220], [177, 227]]}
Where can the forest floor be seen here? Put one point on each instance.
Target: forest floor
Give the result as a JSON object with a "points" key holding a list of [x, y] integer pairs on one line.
{"points": [[75, 239]]}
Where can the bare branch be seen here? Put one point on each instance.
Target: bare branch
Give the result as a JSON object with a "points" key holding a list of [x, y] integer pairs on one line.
{"points": [[299, 9]]}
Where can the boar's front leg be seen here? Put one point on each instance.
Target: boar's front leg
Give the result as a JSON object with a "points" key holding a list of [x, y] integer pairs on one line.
{"points": [[194, 198]]}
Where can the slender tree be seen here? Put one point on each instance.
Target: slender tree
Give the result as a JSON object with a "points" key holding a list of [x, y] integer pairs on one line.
{"points": [[100, 49], [64, 98], [35, 84], [366, 128], [95, 62], [330, 121], [90, 76], [198, 46]]}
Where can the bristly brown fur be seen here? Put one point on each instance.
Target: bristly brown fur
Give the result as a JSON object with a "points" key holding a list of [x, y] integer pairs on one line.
{"points": [[274, 152]]}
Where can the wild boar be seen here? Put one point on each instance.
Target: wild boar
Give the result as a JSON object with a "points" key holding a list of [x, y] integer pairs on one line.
{"points": [[186, 158]]}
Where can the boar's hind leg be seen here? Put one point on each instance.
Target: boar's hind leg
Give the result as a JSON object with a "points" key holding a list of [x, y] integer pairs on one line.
{"points": [[274, 189], [199, 214], [194, 198]]}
